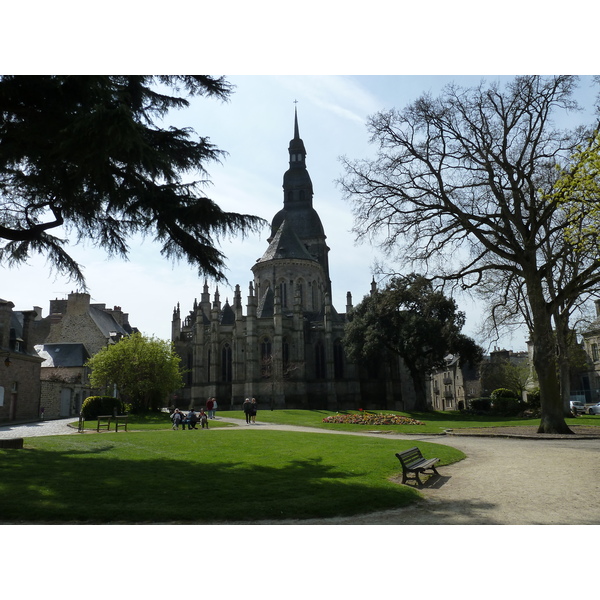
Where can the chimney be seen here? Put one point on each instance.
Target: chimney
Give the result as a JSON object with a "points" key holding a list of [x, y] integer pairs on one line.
{"points": [[78, 303], [28, 318], [5, 313]]}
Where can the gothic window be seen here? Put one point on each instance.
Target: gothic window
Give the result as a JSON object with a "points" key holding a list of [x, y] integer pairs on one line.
{"points": [[190, 365], [266, 357], [285, 354], [300, 288], [595, 353], [208, 366], [283, 293], [314, 298], [338, 360], [320, 366], [226, 363]]}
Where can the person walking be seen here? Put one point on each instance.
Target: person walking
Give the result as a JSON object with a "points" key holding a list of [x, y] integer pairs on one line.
{"points": [[214, 408], [253, 410], [247, 408], [209, 407]]}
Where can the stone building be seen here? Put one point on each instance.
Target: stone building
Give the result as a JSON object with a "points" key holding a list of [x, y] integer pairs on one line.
{"points": [[19, 365], [452, 386], [286, 350], [589, 381], [74, 331]]}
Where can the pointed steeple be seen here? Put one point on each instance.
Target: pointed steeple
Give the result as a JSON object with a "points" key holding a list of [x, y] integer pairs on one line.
{"points": [[297, 149], [297, 186]]}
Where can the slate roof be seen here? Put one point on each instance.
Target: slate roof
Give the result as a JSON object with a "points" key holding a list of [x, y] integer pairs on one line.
{"points": [[285, 244], [105, 322], [62, 355]]}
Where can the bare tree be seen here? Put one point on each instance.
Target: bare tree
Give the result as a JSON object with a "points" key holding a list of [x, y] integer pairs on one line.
{"points": [[459, 176]]}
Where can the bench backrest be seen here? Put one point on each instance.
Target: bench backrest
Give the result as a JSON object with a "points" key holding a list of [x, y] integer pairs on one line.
{"points": [[410, 455]]}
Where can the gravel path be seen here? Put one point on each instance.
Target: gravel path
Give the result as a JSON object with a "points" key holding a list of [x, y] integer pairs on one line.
{"points": [[503, 480]]}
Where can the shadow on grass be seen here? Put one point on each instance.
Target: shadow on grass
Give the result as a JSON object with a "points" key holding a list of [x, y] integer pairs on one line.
{"points": [[91, 486]]}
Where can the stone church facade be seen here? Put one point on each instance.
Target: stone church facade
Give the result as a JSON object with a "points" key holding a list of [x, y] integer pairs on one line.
{"points": [[286, 350]]}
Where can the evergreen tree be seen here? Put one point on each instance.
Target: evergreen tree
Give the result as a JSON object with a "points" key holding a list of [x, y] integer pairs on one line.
{"points": [[86, 158]]}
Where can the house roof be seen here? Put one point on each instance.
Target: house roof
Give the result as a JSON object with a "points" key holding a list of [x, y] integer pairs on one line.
{"points": [[105, 322], [62, 355]]}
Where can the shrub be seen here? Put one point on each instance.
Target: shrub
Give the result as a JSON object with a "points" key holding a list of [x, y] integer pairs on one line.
{"points": [[502, 393], [505, 402], [481, 404], [93, 406], [533, 399]]}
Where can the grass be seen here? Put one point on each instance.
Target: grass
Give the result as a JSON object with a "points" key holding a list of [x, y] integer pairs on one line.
{"points": [[235, 475], [148, 422], [435, 421]]}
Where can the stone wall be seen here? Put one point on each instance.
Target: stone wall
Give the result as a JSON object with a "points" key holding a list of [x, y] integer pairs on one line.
{"points": [[20, 383]]}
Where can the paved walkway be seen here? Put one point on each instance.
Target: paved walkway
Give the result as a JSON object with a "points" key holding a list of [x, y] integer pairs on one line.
{"points": [[502, 480], [38, 428]]}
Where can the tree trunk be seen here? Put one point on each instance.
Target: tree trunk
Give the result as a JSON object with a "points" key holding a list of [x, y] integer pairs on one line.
{"points": [[418, 380], [544, 362], [564, 363]]}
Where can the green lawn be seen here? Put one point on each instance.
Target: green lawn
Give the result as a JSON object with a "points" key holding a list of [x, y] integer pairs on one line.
{"points": [[240, 474], [435, 421], [148, 422]]}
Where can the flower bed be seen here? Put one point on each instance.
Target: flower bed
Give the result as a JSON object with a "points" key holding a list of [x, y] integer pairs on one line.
{"points": [[365, 418]]}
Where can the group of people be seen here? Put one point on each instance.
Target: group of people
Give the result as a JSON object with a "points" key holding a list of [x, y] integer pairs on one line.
{"points": [[191, 419], [250, 408]]}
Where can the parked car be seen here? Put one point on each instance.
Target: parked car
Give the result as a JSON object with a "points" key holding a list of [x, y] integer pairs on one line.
{"points": [[577, 407], [594, 410]]}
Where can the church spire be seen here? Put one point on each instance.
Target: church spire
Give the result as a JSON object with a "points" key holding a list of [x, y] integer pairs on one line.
{"points": [[297, 186], [296, 149]]}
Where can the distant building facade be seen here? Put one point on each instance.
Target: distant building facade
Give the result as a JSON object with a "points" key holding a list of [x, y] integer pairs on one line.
{"points": [[19, 365], [286, 350], [589, 383], [73, 332], [452, 386]]}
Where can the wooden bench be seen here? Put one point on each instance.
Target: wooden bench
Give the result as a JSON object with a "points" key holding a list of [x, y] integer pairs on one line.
{"points": [[106, 425], [109, 419], [413, 461]]}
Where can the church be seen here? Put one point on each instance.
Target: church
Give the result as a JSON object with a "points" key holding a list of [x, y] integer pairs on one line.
{"points": [[286, 349]]}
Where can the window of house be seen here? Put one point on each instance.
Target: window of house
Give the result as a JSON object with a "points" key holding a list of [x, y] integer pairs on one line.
{"points": [[1, 396], [595, 354]]}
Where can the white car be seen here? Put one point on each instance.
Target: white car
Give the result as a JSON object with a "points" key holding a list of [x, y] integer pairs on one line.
{"points": [[577, 407], [594, 410]]}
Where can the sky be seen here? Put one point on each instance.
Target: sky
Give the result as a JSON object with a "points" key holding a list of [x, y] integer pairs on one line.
{"points": [[254, 128]]}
